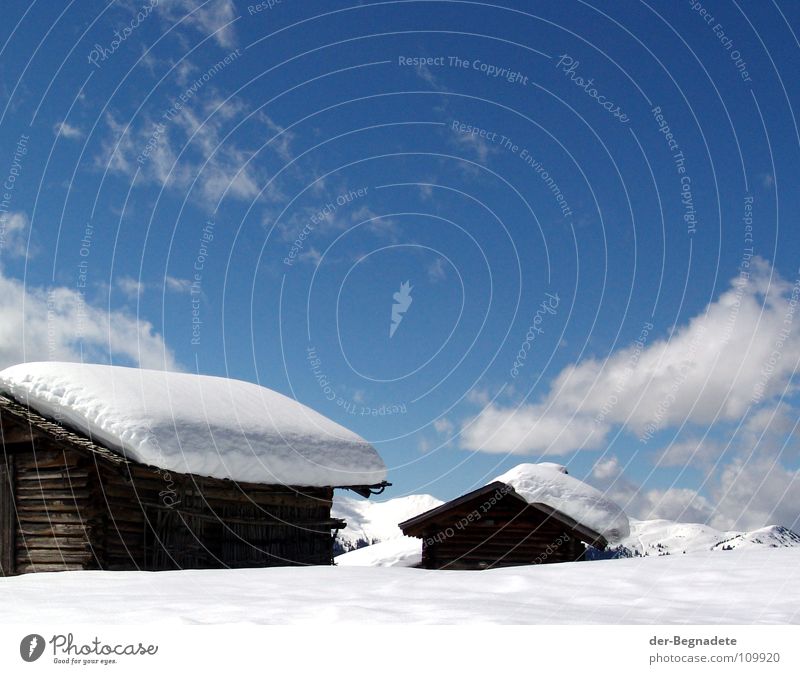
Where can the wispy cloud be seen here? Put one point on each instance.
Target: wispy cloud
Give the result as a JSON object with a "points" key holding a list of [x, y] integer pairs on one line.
{"points": [[130, 287], [14, 230], [207, 17], [178, 285], [437, 271], [133, 288], [710, 370], [193, 150], [444, 426], [66, 130], [58, 323], [475, 146]]}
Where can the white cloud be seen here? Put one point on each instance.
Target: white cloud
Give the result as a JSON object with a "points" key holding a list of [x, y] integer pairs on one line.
{"points": [[691, 451], [679, 505], [65, 130], [755, 493], [311, 255], [57, 324], [444, 426], [672, 503], [133, 288], [191, 150], [479, 396], [712, 369], [373, 222], [206, 17], [606, 469], [747, 493], [130, 287], [530, 429], [473, 144], [437, 270], [178, 285], [426, 75], [281, 139], [14, 227]]}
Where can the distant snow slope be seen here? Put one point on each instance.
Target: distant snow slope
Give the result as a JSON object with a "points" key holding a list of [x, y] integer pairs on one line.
{"points": [[370, 521], [663, 537], [190, 423], [400, 551], [705, 588], [550, 484]]}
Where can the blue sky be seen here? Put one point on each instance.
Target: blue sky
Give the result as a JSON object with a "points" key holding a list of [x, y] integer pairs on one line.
{"points": [[241, 189]]}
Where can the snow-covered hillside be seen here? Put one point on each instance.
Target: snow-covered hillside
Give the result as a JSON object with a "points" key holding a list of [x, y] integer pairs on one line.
{"points": [[399, 551], [663, 537], [705, 588], [370, 521]]}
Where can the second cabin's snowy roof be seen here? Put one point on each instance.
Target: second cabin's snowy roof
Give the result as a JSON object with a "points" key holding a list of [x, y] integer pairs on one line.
{"points": [[550, 484], [187, 423]]}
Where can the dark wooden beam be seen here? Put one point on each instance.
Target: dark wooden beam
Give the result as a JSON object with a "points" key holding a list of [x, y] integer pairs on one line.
{"points": [[7, 518], [16, 434]]}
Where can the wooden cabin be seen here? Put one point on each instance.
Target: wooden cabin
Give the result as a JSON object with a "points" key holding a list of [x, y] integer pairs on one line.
{"points": [[494, 527], [67, 502]]}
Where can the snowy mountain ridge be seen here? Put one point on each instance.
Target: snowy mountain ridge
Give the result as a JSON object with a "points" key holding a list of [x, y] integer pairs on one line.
{"points": [[370, 522], [664, 537]]}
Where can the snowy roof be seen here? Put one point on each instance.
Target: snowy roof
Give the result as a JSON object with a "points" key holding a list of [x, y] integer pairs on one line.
{"points": [[550, 484], [188, 423]]}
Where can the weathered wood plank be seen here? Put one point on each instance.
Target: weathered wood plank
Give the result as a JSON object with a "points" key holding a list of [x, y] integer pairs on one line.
{"points": [[7, 516], [54, 557], [43, 568], [72, 543]]}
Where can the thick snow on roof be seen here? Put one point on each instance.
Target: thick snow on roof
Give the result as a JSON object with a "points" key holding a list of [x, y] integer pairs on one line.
{"points": [[188, 423], [550, 484]]}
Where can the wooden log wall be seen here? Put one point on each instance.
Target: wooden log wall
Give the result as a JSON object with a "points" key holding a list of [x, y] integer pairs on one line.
{"points": [[56, 519], [7, 517], [507, 536], [193, 522], [68, 507]]}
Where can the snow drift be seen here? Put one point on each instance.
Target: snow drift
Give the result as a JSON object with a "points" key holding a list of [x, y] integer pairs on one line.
{"points": [[198, 424], [706, 588]]}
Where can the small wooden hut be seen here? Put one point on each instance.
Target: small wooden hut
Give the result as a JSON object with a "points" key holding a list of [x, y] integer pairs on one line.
{"points": [[494, 527], [70, 502]]}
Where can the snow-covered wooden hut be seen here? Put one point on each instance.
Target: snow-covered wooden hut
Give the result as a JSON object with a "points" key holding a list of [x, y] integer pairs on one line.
{"points": [[119, 468], [534, 514]]}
